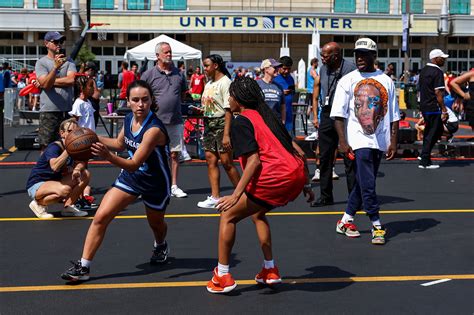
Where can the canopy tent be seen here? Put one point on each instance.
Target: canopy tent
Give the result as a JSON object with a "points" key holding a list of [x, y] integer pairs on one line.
{"points": [[147, 50]]}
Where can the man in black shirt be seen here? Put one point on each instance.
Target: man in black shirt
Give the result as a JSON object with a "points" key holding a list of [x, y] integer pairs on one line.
{"points": [[334, 68], [431, 85]]}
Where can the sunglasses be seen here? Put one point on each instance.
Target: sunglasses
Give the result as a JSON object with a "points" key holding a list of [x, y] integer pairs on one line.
{"points": [[56, 42]]}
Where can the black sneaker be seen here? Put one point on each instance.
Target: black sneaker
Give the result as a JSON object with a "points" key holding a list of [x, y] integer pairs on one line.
{"points": [[76, 272], [160, 254], [85, 205]]}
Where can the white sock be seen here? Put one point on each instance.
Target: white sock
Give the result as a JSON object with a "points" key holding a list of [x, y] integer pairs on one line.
{"points": [[222, 270], [377, 224], [85, 263], [268, 264], [156, 244], [347, 217], [174, 186]]}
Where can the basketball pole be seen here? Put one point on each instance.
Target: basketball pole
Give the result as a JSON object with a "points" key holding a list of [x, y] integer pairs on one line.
{"points": [[80, 41]]}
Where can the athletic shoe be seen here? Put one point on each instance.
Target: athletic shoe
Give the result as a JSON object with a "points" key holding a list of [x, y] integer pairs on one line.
{"points": [[222, 284], [378, 235], [349, 229], [40, 211], [334, 175], [317, 175], [184, 157], [90, 200], [84, 205], [209, 203], [73, 211], [76, 273], [312, 137], [428, 167], [177, 192], [160, 254], [268, 276]]}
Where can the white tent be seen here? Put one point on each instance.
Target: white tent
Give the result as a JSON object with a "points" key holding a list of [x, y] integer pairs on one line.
{"points": [[179, 50]]}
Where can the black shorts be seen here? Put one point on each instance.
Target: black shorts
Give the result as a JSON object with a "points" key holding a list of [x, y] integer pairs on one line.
{"points": [[452, 127], [260, 202]]}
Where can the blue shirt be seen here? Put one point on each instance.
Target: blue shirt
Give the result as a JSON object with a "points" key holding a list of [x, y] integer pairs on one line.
{"points": [[42, 171], [285, 83], [273, 96]]}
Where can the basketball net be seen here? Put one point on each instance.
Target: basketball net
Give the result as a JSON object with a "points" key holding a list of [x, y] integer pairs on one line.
{"points": [[101, 29]]}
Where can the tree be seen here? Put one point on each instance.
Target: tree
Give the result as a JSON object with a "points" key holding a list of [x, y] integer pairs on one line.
{"points": [[84, 55]]}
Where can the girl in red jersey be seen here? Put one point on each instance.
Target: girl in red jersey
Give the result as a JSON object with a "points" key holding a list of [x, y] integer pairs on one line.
{"points": [[274, 173]]}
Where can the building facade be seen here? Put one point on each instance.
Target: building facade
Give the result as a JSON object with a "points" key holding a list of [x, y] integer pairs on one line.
{"points": [[245, 30]]}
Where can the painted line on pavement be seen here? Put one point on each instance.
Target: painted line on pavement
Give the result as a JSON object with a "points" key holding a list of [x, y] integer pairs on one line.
{"points": [[5, 155], [214, 215], [176, 284], [427, 284]]}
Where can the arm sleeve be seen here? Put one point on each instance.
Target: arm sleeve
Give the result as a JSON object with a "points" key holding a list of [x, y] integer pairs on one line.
{"points": [[71, 67], [76, 108], [340, 104], [243, 137]]}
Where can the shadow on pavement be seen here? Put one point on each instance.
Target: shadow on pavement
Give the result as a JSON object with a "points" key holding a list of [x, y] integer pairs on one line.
{"points": [[415, 226]]}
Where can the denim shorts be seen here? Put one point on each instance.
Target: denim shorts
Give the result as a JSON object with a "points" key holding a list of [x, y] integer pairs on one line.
{"points": [[33, 189]]}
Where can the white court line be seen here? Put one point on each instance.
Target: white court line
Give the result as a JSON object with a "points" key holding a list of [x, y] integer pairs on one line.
{"points": [[427, 284]]}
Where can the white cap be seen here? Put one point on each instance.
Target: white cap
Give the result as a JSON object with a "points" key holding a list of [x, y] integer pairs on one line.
{"points": [[435, 53], [365, 44]]}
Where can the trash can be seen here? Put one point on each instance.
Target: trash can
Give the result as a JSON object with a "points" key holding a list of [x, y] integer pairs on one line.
{"points": [[411, 98]]}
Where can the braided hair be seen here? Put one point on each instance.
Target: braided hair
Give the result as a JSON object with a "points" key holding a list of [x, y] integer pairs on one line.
{"points": [[80, 83], [217, 59], [247, 92]]}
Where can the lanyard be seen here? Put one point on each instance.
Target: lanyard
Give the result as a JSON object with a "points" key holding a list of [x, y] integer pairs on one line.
{"points": [[337, 76]]}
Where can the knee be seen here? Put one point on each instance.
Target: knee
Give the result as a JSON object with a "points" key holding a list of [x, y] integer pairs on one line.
{"points": [[65, 191], [227, 165], [86, 176]]}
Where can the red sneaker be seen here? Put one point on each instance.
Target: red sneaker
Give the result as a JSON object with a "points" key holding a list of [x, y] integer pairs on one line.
{"points": [[222, 284], [90, 199], [268, 276]]}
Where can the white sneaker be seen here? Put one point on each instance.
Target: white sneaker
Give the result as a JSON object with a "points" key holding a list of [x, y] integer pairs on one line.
{"points": [[312, 137], [184, 157], [334, 175], [429, 167], [177, 192], [40, 211], [316, 176], [209, 203], [72, 211]]}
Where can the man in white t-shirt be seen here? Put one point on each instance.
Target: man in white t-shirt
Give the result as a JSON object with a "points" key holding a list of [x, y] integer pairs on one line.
{"points": [[366, 115]]}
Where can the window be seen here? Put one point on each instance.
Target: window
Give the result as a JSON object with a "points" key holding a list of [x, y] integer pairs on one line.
{"points": [[415, 39], [49, 4], [394, 53], [5, 50], [382, 53], [108, 51], [18, 50], [175, 4], [462, 53], [344, 6], [108, 36], [102, 4], [348, 53], [31, 50], [416, 53], [460, 7], [138, 5], [381, 40], [97, 51], [11, 3], [11, 35], [120, 51], [416, 6], [379, 6], [17, 35], [453, 53], [471, 54], [139, 37], [43, 51]]}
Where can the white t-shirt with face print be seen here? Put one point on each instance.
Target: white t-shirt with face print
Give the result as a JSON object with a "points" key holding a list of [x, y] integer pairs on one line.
{"points": [[368, 102]]}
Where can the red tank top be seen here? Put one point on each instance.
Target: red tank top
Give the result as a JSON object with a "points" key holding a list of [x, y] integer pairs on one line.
{"points": [[127, 78], [281, 177]]}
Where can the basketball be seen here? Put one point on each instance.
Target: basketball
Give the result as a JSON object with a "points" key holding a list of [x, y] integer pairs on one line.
{"points": [[79, 142]]}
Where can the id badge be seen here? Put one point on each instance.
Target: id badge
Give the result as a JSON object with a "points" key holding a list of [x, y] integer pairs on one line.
{"points": [[326, 101]]}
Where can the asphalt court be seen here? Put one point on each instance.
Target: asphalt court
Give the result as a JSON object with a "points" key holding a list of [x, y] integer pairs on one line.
{"points": [[428, 215]]}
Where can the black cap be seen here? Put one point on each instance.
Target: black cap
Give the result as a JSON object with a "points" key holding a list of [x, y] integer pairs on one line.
{"points": [[91, 65]]}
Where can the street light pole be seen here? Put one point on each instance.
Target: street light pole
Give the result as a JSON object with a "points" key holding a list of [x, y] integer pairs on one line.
{"points": [[406, 41]]}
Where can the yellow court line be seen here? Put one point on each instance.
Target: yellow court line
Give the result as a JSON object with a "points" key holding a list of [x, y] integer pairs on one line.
{"points": [[176, 284], [5, 155], [212, 215]]}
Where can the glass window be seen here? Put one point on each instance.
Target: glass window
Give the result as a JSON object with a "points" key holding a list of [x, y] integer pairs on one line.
{"points": [[175, 4], [49, 4], [452, 66], [382, 39], [132, 36], [394, 53], [344, 6], [43, 51], [463, 40], [5, 50], [102, 4], [11, 3], [31, 50], [462, 53], [460, 6], [452, 40], [471, 54], [415, 39], [379, 6], [108, 51], [138, 5], [17, 35], [382, 53], [416, 6], [416, 53], [18, 50], [120, 50], [348, 53], [453, 53], [97, 51]]}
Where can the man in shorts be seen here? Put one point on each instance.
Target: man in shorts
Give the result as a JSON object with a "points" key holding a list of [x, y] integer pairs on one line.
{"points": [[55, 76], [169, 88]]}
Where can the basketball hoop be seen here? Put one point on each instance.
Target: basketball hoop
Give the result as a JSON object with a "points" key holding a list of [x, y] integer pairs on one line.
{"points": [[101, 29]]}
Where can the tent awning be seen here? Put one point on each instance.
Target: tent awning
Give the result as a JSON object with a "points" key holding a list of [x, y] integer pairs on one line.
{"points": [[147, 50]]}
